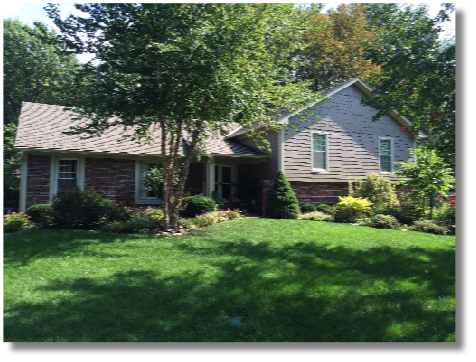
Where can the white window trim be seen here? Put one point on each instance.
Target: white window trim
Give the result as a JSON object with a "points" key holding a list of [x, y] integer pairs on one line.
{"points": [[138, 198], [326, 151], [391, 155], [55, 172]]}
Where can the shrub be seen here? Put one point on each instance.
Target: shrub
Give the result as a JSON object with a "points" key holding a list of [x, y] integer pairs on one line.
{"points": [[428, 226], [323, 207], [219, 200], [16, 222], [378, 189], [316, 216], [308, 208], [41, 214], [231, 215], [384, 222], [186, 223], [77, 207], [282, 202], [197, 205], [446, 216], [411, 208], [141, 221], [365, 222], [117, 212], [350, 209], [397, 212], [208, 219], [141, 225]]}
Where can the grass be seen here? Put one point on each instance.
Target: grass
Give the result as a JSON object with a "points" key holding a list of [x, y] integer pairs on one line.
{"points": [[245, 280]]}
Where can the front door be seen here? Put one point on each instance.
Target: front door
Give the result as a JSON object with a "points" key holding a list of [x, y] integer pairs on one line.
{"points": [[223, 181]]}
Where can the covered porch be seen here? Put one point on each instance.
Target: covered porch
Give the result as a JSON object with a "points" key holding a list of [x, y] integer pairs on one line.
{"points": [[237, 179]]}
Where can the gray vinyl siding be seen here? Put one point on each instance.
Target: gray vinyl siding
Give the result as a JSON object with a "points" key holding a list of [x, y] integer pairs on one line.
{"points": [[272, 165], [353, 140]]}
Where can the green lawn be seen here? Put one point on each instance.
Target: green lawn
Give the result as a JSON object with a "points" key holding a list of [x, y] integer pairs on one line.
{"points": [[246, 280]]}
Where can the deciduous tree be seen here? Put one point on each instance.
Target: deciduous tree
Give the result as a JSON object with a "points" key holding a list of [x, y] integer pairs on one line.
{"points": [[417, 76], [336, 44], [36, 68], [186, 69]]}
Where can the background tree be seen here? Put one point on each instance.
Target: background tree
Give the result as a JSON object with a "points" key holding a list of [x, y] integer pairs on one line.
{"points": [[186, 69], [282, 202], [417, 76], [428, 177], [36, 68], [336, 44]]}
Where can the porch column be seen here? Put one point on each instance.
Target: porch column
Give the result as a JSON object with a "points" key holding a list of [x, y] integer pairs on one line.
{"points": [[210, 180]]}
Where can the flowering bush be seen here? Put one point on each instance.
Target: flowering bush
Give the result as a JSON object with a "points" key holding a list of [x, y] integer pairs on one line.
{"points": [[75, 207], [16, 222], [231, 215]]}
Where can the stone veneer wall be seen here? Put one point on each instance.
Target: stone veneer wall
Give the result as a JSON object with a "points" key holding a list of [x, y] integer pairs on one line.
{"points": [[38, 180]]}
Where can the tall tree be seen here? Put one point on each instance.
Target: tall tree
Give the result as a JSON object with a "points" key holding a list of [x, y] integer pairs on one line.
{"points": [[336, 44], [186, 69], [417, 75], [36, 68]]}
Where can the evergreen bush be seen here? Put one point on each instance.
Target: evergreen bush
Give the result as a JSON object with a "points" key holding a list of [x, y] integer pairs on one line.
{"points": [[197, 205], [282, 202], [308, 208], [323, 207]]}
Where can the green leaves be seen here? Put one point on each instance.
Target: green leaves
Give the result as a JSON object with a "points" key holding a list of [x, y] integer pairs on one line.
{"points": [[428, 177], [417, 76]]}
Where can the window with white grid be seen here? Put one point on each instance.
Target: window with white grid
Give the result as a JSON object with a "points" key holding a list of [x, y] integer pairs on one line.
{"points": [[319, 151], [385, 155], [67, 174]]}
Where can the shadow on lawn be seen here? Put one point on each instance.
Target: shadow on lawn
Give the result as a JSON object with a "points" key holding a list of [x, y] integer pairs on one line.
{"points": [[251, 299], [21, 248]]}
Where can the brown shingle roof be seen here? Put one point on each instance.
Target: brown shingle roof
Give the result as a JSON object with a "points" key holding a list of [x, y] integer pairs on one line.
{"points": [[41, 126]]}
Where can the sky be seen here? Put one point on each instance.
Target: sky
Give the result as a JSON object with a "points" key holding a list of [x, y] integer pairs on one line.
{"points": [[33, 11]]}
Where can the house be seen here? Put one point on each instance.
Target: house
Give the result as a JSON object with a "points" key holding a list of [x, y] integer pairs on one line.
{"points": [[318, 157]]}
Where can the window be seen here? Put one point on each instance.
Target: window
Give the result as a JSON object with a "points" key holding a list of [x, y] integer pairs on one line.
{"points": [[67, 174], [144, 167], [385, 155], [319, 151]]}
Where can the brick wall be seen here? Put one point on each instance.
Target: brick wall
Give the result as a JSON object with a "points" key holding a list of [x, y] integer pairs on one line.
{"points": [[38, 180], [114, 176], [317, 193], [194, 183]]}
